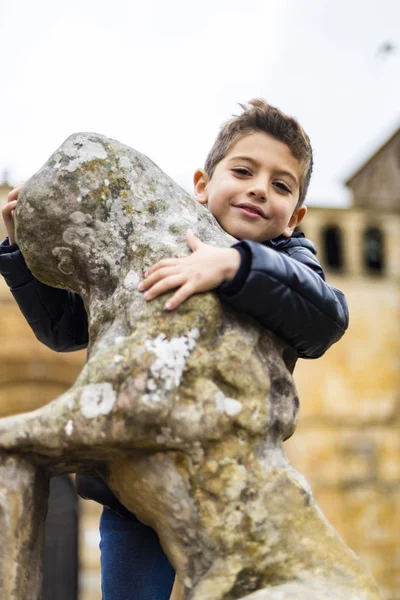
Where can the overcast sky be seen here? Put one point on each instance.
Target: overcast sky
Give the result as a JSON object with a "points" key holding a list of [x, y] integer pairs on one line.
{"points": [[162, 75]]}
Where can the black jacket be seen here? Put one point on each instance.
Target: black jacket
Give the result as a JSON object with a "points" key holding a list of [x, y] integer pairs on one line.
{"points": [[280, 283]]}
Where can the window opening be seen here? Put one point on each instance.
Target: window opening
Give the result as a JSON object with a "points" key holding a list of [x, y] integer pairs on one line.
{"points": [[333, 247], [373, 250]]}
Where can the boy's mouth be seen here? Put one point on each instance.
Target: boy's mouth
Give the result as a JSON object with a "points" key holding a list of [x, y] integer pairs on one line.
{"points": [[251, 210]]}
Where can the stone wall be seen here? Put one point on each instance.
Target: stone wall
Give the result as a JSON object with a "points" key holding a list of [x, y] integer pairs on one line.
{"points": [[347, 443]]}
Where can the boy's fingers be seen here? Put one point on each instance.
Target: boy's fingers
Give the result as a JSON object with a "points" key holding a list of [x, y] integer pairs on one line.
{"points": [[166, 262], [180, 296], [8, 217], [193, 241], [165, 285], [8, 208], [151, 279], [13, 195]]}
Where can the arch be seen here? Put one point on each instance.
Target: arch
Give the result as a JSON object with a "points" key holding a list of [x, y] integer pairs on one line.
{"points": [[333, 247], [373, 249]]}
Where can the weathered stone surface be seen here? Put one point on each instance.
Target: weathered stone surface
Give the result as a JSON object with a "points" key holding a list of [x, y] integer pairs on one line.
{"points": [[23, 505], [182, 413]]}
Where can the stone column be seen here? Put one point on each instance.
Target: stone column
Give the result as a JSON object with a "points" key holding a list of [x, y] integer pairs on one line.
{"points": [[390, 228], [23, 505], [353, 229]]}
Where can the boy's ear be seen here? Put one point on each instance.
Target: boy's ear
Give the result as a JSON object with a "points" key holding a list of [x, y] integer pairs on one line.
{"points": [[200, 182], [295, 220]]}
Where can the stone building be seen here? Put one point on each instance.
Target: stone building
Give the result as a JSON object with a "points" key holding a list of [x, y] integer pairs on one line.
{"points": [[348, 439], [347, 443]]}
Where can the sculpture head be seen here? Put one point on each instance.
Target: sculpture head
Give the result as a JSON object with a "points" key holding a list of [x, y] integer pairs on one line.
{"points": [[98, 210]]}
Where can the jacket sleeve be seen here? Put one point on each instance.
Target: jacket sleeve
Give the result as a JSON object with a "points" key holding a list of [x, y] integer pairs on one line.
{"points": [[288, 295], [57, 317]]}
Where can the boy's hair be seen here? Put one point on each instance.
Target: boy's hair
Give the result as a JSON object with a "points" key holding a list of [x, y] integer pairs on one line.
{"points": [[258, 115]]}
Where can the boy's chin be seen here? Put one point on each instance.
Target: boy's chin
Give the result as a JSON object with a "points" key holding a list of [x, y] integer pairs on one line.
{"points": [[241, 230], [245, 233]]}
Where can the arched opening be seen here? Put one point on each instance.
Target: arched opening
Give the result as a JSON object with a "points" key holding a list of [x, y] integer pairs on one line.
{"points": [[374, 259], [60, 559], [333, 247]]}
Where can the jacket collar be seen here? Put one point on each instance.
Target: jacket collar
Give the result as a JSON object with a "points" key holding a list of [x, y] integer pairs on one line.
{"points": [[297, 239]]}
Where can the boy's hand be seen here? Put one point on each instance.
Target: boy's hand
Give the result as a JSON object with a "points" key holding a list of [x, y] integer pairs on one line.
{"points": [[8, 212], [202, 271]]}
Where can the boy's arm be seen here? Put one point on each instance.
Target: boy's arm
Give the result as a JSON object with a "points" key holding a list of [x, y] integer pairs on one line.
{"points": [[287, 294], [57, 317]]}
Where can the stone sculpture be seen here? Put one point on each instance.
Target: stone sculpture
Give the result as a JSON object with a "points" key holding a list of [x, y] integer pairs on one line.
{"points": [[182, 413]]}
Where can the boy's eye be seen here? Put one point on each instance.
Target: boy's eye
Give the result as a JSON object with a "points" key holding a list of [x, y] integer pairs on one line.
{"points": [[283, 187], [241, 171]]}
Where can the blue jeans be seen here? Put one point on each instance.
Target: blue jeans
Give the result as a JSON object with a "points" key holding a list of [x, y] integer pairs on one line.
{"points": [[133, 564]]}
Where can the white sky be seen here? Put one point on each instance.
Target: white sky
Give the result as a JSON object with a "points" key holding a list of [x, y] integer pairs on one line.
{"points": [[162, 75]]}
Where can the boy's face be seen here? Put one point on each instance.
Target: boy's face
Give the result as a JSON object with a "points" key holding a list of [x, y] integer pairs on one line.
{"points": [[254, 190]]}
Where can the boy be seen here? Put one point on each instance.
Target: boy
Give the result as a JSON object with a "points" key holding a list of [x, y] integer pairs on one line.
{"points": [[254, 183]]}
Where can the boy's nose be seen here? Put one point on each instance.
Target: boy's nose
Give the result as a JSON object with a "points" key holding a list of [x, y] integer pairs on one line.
{"points": [[258, 191]]}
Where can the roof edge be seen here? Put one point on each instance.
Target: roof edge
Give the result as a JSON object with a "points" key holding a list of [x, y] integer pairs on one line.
{"points": [[372, 156]]}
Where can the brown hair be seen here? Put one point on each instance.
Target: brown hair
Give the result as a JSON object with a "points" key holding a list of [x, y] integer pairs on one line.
{"points": [[258, 115]]}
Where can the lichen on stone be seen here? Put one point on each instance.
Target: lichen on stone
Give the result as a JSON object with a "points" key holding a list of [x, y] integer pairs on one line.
{"points": [[171, 355], [97, 399]]}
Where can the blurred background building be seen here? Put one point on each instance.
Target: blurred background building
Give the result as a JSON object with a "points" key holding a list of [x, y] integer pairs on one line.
{"points": [[348, 440], [347, 443]]}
